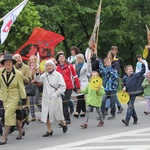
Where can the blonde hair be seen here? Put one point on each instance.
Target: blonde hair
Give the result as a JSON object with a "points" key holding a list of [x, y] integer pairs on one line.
{"points": [[126, 67], [35, 58], [80, 56]]}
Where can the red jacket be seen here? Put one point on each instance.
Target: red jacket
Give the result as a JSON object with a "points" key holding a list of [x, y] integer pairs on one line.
{"points": [[69, 74]]}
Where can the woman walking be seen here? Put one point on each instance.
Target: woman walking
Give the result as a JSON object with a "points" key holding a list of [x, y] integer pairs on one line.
{"points": [[12, 90], [53, 87]]}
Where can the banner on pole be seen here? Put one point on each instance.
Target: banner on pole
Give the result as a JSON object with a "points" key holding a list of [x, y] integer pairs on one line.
{"points": [[94, 37], [9, 19]]}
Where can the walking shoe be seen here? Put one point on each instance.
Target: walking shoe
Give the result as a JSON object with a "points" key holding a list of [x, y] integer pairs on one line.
{"points": [[32, 119], [111, 117], [135, 120], [84, 125], [68, 121], [120, 109], [100, 124], [145, 112], [125, 122], [82, 115]]}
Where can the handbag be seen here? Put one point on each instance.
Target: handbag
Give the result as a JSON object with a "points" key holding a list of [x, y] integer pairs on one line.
{"points": [[20, 114], [30, 89]]}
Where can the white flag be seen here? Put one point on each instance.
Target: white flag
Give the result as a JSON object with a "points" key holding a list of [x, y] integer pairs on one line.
{"points": [[9, 19]]}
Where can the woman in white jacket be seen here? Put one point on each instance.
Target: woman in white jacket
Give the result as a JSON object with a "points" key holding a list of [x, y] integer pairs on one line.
{"points": [[83, 71], [53, 87]]}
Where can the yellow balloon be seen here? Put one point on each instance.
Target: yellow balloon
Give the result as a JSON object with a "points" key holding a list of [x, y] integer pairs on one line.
{"points": [[42, 63], [95, 83], [145, 53], [123, 97]]}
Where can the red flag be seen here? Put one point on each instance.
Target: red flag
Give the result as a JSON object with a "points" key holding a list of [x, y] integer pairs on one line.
{"points": [[42, 41]]}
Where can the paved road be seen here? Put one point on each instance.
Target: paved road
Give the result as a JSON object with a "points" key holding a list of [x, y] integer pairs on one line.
{"points": [[113, 135]]}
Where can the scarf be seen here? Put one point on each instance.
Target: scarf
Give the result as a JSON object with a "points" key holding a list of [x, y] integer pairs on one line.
{"points": [[78, 68]]}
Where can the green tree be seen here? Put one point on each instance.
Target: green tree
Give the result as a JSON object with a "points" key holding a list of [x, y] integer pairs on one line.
{"points": [[22, 27], [72, 19]]}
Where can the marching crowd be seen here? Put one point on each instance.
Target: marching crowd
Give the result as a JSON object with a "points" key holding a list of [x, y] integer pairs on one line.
{"points": [[62, 76]]}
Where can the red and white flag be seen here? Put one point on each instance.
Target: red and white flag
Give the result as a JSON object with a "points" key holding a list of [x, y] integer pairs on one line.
{"points": [[9, 19]]}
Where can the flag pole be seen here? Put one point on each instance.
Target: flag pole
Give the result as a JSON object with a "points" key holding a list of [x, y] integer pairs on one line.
{"points": [[13, 10]]}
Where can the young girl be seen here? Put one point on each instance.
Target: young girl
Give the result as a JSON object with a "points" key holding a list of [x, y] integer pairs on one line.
{"points": [[146, 86], [94, 99], [83, 71], [34, 100]]}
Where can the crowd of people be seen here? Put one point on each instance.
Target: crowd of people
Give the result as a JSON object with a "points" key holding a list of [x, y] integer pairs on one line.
{"points": [[62, 76]]}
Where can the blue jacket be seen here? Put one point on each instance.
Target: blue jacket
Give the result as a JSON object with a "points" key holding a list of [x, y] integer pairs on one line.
{"points": [[133, 82], [110, 77]]}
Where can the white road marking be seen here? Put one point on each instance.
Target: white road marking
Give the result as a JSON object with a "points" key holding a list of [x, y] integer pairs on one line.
{"points": [[131, 140]]}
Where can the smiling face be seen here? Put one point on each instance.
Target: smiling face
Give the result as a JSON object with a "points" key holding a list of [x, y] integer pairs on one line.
{"points": [[129, 70], [107, 63], [123, 97], [95, 82], [8, 64], [49, 67], [18, 59]]}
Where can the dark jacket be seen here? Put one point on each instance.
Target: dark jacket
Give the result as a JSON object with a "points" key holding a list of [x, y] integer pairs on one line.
{"points": [[118, 64], [133, 82], [95, 63]]}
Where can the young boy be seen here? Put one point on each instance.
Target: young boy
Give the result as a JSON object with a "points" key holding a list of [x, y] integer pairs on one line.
{"points": [[110, 83], [131, 84]]}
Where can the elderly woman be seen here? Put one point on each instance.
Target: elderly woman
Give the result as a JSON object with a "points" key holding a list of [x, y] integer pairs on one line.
{"points": [[12, 90], [53, 87]]}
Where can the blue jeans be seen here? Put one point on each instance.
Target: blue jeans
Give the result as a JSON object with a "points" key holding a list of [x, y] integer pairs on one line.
{"points": [[113, 98], [130, 109], [108, 103], [34, 100]]}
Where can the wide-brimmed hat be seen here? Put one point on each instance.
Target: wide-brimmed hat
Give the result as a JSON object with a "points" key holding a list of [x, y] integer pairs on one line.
{"points": [[8, 57]]}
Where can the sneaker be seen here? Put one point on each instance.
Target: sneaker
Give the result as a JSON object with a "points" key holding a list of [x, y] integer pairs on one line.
{"points": [[111, 117], [145, 112], [100, 124], [84, 125], [120, 109], [135, 121], [125, 122], [32, 119]]}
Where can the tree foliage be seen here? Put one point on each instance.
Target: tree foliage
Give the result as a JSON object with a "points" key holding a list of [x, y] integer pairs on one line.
{"points": [[122, 23]]}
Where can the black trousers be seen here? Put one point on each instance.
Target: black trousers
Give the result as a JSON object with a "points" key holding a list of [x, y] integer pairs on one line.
{"points": [[66, 100], [81, 106]]}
